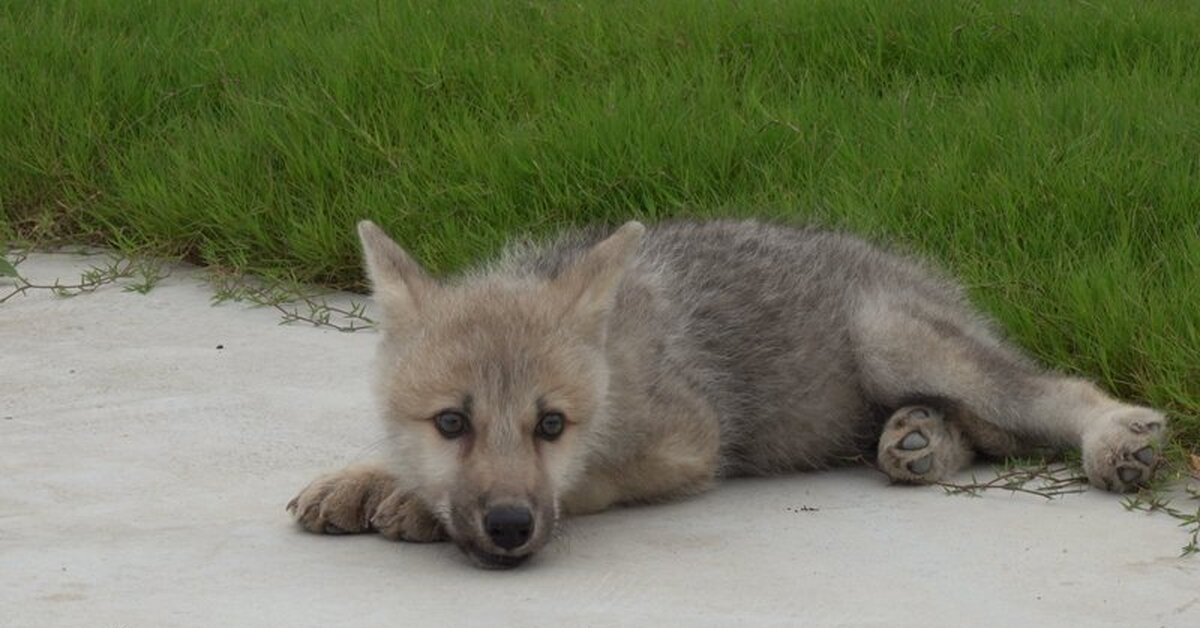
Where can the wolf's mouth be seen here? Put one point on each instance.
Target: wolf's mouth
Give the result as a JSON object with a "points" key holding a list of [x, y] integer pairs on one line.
{"points": [[487, 560]]}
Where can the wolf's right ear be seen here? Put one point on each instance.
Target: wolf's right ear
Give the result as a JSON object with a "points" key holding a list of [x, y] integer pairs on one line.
{"points": [[398, 282], [594, 278]]}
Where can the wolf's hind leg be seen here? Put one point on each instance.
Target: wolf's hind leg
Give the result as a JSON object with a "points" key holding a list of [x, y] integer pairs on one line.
{"points": [[910, 346], [363, 499], [919, 446]]}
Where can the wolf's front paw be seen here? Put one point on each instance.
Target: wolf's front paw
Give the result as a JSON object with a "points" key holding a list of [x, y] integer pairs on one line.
{"points": [[341, 502], [401, 517], [363, 499], [1121, 452]]}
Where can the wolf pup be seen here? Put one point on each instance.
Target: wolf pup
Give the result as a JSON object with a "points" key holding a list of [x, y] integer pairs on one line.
{"points": [[568, 378]]}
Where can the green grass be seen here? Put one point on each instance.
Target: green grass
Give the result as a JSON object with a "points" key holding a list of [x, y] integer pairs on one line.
{"points": [[1046, 152]]}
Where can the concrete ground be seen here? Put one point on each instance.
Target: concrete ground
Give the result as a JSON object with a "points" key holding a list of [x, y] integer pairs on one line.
{"points": [[149, 443]]}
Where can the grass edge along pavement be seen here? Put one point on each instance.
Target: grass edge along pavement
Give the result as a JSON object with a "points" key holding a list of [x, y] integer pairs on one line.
{"points": [[1045, 153]]}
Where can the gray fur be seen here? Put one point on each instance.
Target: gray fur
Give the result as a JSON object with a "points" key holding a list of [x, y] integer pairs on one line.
{"points": [[764, 322], [687, 352]]}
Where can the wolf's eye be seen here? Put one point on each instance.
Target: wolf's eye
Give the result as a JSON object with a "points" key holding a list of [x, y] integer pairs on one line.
{"points": [[451, 424], [550, 426]]}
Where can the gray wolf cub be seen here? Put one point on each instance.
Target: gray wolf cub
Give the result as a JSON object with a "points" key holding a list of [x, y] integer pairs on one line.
{"points": [[569, 377]]}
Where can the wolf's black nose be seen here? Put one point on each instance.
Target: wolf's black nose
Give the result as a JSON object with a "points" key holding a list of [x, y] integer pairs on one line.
{"points": [[509, 526]]}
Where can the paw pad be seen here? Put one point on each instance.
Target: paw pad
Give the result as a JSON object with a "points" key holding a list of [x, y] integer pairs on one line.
{"points": [[922, 465], [913, 441], [1129, 475], [1145, 455]]}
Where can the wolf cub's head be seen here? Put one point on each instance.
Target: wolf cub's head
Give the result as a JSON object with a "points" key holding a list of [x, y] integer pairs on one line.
{"points": [[493, 386]]}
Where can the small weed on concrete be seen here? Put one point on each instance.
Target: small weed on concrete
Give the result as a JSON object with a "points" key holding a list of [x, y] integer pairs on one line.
{"points": [[1179, 483], [144, 273], [295, 303]]}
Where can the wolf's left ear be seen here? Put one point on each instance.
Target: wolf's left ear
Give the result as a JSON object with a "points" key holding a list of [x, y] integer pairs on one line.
{"points": [[398, 282], [593, 279]]}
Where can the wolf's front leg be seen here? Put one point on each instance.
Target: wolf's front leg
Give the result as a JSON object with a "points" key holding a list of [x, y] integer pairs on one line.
{"points": [[364, 499]]}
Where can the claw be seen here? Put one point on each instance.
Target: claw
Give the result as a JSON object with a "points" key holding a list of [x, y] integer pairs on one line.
{"points": [[332, 529]]}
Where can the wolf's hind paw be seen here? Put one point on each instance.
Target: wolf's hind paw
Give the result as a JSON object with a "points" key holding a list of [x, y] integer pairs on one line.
{"points": [[918, 446], [1120, 453]]}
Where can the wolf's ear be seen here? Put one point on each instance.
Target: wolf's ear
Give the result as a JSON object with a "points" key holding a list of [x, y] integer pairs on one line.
{"points": [[593, 279], [398, 282]]}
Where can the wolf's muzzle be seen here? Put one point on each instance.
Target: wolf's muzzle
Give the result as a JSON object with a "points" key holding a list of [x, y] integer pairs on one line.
{"points": [[509, 527]]}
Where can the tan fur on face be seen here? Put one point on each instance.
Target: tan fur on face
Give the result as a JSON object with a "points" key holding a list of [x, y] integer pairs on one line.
{"points": [[501, 353], [501, 360]]}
